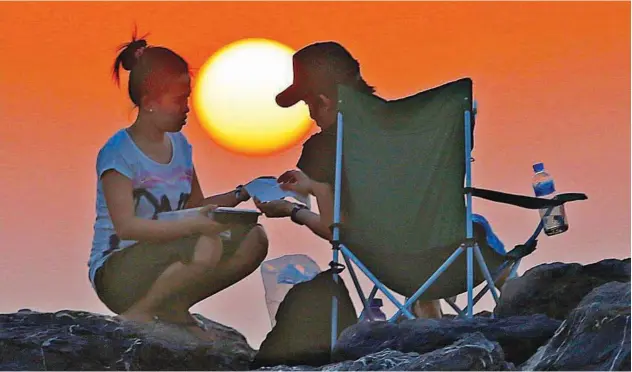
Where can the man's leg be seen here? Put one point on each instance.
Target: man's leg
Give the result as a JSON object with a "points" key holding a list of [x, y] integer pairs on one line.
{"points": [[432, 309], [428, 310]]}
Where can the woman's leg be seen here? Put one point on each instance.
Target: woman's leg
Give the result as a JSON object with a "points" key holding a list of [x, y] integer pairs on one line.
{"points": [[183, 285], [175, 280], [249, 254]]}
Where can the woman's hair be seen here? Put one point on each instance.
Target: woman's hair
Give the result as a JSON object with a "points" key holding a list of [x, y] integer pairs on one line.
{"points": [[150, 67]]}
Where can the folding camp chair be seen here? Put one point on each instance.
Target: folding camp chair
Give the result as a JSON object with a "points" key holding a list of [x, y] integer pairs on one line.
{"points": [[400, 169]]}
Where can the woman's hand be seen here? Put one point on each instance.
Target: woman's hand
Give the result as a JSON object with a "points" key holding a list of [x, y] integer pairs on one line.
{"points": [[296, 181], [205, 225], [242, 195], [275, 208]]}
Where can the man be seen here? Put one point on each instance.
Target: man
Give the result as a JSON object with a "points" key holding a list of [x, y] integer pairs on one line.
{"points": [[318, 68]]}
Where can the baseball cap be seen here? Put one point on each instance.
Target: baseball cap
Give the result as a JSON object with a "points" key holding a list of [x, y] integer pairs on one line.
{"points": [[316, 68]]}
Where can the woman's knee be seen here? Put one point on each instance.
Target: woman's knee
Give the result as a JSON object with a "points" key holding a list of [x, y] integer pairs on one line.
{"points": [[259, 235], [208, 252], [255, 244]]}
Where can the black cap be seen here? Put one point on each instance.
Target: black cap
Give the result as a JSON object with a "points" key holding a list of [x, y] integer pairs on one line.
{"points": [[318, 67]]}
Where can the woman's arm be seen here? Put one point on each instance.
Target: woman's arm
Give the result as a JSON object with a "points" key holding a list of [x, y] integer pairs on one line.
{"points": [[120, 203], [228, 199]]}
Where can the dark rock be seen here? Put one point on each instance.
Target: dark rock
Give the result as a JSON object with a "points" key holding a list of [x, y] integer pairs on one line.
{"points": [[519, 336], [472, 352], [556, 289], [78, 340], [596, 335]]}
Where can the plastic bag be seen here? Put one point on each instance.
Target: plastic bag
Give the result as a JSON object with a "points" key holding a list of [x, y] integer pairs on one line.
{"points": [[281, 274]]}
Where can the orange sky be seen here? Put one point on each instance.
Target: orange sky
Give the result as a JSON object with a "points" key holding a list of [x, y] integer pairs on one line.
{"points": [[552, 81]]}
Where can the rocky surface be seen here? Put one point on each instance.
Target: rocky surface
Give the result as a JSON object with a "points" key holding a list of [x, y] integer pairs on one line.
{"points": [[555, 289], [555, 317], [596, 335], [518, 336], [75, 340], [472, 352]]}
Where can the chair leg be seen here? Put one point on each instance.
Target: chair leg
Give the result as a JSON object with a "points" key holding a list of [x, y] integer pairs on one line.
{"points": [[430, 281], [451, 301], [485, 270], [506, 270], [334, 306], [470, 281], [356, 283], [401, 307]]}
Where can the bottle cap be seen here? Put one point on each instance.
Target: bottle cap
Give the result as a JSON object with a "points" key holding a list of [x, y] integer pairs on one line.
{"points": [[538, 167], [376, 302]]}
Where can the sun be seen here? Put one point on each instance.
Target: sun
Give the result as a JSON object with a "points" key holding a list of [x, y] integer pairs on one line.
{"points": [[234, 98]]}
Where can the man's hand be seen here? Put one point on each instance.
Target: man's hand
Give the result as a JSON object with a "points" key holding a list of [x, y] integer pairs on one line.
{"points": [[296, 181], [275, 208]]}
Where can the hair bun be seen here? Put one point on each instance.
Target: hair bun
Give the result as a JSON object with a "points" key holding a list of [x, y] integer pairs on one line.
{"points": [[128, 57]]}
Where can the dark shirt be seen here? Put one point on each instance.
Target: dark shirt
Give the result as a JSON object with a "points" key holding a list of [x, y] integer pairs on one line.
{"points": [[318, 158]]}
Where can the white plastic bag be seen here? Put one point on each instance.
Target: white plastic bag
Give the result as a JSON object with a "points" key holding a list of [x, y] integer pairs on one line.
{"points": [[281, 274]]}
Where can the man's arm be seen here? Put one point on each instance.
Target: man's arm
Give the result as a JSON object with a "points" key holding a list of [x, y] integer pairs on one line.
{"points": [[319, 224], [313, 222]]}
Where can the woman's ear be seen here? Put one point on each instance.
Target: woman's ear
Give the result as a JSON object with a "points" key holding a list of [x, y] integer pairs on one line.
{"points": [[145, 103], [148, 104]]}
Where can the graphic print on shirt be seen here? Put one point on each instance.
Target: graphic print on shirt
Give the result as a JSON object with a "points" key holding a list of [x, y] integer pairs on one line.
{"points": [[160, 204]]}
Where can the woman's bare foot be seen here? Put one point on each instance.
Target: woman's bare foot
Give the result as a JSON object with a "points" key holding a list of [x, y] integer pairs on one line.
{"points": [[137, 317], [200, 332], [190, 323]]}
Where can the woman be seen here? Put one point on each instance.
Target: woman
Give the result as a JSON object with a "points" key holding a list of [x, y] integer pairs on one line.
{"points": [[143, 268]]}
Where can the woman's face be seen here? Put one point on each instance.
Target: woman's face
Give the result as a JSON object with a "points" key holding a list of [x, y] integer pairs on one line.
{"points": [[170, 109]]}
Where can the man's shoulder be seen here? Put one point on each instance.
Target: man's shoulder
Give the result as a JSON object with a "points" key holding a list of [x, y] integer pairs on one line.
{"points": [[318, 157], [320, 141]]}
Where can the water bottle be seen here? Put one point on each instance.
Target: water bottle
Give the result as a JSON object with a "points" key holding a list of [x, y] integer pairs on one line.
{"points": [[375, 310], [555, 222]]}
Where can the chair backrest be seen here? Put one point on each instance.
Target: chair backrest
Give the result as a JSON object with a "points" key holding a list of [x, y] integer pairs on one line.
{"points": [[403, 172]]}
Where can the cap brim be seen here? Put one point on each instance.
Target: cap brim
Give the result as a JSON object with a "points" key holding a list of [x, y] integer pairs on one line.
{"points": [[290, 96]]}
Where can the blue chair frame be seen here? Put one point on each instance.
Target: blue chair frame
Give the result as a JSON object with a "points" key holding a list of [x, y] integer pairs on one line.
{"points": [[471, 250]]}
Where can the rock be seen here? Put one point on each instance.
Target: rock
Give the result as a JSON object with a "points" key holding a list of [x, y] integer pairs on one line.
{"points": [[596, 335], [472, 352], [518, 336], [556, 289], [77, 340]]}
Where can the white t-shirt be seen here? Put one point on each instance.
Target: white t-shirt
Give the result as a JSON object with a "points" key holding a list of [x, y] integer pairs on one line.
{"points": [[157, 188]]}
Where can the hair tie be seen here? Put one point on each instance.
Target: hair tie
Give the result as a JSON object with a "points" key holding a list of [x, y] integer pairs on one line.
{"points": [[139, 52]]}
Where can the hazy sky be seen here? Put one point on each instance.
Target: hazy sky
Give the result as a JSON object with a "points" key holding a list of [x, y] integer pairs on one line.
{"points": [[552, 81]]}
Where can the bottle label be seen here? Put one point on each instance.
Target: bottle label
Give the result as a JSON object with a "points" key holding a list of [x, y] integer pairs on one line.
{"points": [[544, 188]]}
